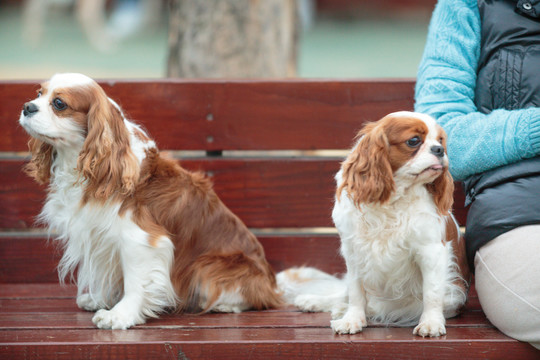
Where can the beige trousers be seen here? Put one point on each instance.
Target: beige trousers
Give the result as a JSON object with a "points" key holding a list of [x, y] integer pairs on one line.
{"points": [[507, 275]]}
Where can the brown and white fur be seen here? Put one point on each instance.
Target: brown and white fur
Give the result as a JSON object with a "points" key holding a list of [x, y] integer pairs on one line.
{"points": [[402, 248], [140, 234]]}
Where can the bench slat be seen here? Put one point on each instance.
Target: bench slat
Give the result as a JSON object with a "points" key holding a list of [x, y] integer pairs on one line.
{"points": [[263, 192], [19, 318], [243, 334], [51, 290], [33, 260], [235, 115], [262, 343]]}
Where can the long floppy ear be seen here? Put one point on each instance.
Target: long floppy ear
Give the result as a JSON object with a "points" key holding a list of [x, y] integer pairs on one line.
{"points": [[367, 173], [107, 163], [442, 189], [39, 166]]}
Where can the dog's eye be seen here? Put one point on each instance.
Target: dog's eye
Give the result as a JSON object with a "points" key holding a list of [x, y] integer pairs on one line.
{"points": [[39, 93], [414, 142], [59, 104]]}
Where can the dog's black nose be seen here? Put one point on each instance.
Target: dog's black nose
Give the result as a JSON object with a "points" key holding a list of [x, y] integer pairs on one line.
{"points": [[30, 109], [437, 150]]}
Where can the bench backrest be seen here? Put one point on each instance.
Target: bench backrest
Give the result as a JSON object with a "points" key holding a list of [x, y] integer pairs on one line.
{"points": [[259, 141]]}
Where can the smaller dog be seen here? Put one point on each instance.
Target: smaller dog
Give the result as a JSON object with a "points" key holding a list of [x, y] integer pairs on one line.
{"points": [[404, 254], [144, 234]]}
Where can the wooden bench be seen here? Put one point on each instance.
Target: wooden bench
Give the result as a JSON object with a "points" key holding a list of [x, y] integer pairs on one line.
{"points": [[258, 141]]}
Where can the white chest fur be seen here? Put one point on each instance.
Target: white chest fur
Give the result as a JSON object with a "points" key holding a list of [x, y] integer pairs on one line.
{"points": [[89, 235], [381, 243]]}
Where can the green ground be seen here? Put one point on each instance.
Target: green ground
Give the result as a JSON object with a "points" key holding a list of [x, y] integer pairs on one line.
{"points": [[330, 49]]}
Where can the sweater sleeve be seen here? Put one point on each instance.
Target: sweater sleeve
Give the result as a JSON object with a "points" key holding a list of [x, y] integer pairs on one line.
{"points": [[445, 89]]}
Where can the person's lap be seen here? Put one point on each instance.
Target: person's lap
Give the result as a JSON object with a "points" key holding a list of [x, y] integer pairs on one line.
{"points": [[507, 278]]}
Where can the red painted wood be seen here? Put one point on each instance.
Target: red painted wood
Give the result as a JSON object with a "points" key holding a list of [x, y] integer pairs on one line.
{"points": [[20, 196], [276, 335], [34, 260], [236, 115], [36, 291], [28, 260], [320, 251], [15, 316], [259, 343], [53, 291], [263, 192], [42, 320], [37, 306]]}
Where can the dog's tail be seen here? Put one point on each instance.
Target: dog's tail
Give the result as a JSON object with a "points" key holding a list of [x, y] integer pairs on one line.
{"points": [[312, 290]]}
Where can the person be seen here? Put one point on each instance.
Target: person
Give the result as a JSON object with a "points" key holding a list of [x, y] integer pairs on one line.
{"points": [[479, 77]]}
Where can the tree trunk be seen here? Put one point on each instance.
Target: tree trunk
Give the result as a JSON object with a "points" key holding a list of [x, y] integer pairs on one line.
{"points": [[232, 38]]}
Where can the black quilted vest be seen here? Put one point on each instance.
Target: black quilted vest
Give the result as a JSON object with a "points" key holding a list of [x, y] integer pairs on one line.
{"points": [[508, 77]]}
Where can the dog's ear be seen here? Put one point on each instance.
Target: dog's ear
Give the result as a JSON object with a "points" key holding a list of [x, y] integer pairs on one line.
{"points": [[442, 189], [39, 166], [106, 163], [367, 172]]}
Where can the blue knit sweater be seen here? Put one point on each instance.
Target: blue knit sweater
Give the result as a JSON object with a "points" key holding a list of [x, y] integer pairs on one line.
{"points": [[445, 89]]}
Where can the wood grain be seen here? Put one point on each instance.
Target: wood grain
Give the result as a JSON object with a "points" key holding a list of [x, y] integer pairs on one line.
{"points": [[34, 259], [235, 115], [295, 343], [18, 316], [263, 192]]}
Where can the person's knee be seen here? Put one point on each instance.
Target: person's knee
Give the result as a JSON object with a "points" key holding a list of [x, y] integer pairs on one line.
{"points": [[509, 309]]}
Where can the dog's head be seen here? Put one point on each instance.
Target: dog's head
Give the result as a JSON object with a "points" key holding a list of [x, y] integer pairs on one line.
{"points": [[404, 148], [73, 116]]}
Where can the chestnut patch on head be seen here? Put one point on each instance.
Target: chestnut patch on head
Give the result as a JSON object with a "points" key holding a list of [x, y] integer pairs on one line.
{"points": [[405, 137], [73, 103]]}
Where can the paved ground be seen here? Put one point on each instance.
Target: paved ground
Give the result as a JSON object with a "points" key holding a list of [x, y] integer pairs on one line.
{"points": [[331, 48]]}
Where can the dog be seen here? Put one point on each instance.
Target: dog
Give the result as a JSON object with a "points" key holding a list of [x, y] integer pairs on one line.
{"points": [[403, 251], [140, 234]]}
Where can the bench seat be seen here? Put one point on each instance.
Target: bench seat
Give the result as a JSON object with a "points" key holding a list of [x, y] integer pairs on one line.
{"points": [[272, 149], [43, 321]]}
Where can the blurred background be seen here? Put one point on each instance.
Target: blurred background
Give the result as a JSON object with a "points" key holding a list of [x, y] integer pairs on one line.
{"points": [[213, 38]]}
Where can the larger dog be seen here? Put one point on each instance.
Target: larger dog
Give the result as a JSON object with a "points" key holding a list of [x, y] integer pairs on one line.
{"points": [[144, 234], [404, 255]]}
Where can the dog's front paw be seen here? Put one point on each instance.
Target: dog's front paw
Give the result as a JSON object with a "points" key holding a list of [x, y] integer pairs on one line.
{"points": [[111, 319], [348, 324], [339, 310], [87, 302], [431, 327]]}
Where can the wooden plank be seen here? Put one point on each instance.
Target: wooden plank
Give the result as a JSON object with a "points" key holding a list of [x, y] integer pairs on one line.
{"points": [[247, 334], [263, 192], [37, 291], [43, 305], [279, 343], [20, 196], [28, 260], [27, 315], [236, 115], [320, 251], [33, 260], [57, 297]]}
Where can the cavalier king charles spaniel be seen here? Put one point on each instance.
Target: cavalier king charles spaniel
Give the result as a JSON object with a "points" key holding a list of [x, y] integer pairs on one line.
{"points": [[140, 234], [403, 250]]}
